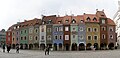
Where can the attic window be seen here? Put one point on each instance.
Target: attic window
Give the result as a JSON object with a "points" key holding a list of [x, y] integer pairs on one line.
{"points": [[88, 19], [59, 22], [81, 21], [94, 19], [66, 21], [73, 21], [102, 15], [49, 21]]}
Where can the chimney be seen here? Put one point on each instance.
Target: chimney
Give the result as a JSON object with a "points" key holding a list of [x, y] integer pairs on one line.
{"points": [[25, 20], [96, 9], [103, 10], [84, 13]]}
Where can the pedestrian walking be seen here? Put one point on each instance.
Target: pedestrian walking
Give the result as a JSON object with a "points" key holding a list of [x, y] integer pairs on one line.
{"points": [[8, 48], [17, 48], [46, 50], [3, 47]]}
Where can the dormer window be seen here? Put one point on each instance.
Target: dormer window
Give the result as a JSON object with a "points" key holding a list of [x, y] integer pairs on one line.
{"points": [[94, 19], [88, 19], [59, 22], [73, 21], [66, 21], [81, 21], [49, 21]]}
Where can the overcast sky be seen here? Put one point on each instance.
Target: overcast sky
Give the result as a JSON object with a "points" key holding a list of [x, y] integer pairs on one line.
{"points": [[13, 11]]}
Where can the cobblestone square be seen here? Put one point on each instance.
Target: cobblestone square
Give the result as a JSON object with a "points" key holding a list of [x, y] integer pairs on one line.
{"points": [[61, 54]]}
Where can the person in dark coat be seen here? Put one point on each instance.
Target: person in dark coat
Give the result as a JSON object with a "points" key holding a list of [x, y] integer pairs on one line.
{"points": [[46, 50], [3, 47], [17, 49], [8, 48]]}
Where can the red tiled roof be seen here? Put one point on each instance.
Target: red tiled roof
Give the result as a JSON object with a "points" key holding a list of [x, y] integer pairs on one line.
{"points": [[69, 18], [47, 18], [59, 19], [110, 22], [91, 17]]}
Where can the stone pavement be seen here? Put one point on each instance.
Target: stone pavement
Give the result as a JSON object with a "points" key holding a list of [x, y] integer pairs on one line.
{"points": [[61, 54]]}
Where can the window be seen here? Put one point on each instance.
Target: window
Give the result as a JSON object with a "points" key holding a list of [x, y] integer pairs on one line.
{"points": [[30, 38], [56, 37], [30, 30], [111, 28], [111, 36], [81, 21], [89, 29], [56, 28], [60, 29], [36, 30], [25, 37], [36, 38], [95, 30], [17, 33], [48, 29], [42, 29], [59, 22], [73, 36], [103, 36], [103, 28], [94, 19], [73, 29], [13, 33], [21, 38], [81, 37], [17, 26], [17, 39], [66, 21], [21, 32], [103, 21], [66, 28], [73, 21], [42, 38], [88, 19], [25, 31], [81, 28], [89, 38], [13, 39], [95, 37], [66, 37], [49, 37], [60, 37]]}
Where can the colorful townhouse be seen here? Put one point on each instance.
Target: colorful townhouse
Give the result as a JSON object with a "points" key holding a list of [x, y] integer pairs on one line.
{"points": [[66, 28], [103, 29], [81, 32], [74, 33], [42, 34], [50, 20], [2, 37], [58, 34], [111, 34], [92, 31]]}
